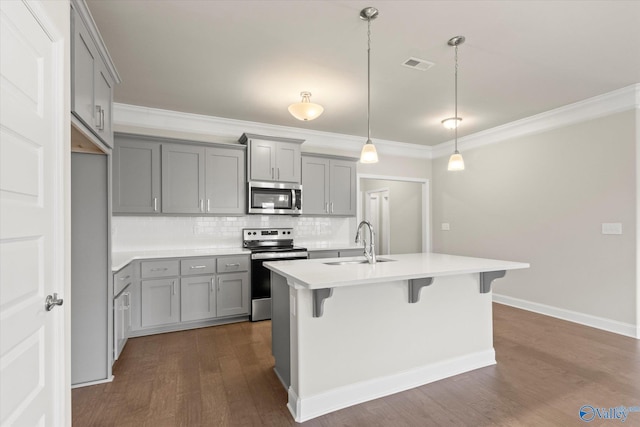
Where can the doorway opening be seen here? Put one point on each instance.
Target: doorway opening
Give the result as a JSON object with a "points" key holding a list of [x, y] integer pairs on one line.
{"points": [[398, 209]]}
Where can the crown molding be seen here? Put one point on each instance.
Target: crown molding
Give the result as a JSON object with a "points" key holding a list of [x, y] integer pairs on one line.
{"points": [[617, 101], [158, 119]]}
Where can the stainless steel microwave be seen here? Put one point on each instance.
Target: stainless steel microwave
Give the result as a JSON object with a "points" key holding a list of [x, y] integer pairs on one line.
{"points": [[274, 198]]}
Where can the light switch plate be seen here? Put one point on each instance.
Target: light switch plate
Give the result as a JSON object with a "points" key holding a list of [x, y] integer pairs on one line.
{"points": [[445, 226], [611, 228]]}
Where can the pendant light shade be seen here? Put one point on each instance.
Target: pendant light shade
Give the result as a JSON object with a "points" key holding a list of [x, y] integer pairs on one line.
{"points": [[305, 110], [456, 162], [369, 153]]}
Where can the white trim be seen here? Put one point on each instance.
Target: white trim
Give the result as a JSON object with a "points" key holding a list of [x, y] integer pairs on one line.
{"points": [[620, 100], [306, 408], [88, 383], [426, 199], [627, 329], [154, 118]]}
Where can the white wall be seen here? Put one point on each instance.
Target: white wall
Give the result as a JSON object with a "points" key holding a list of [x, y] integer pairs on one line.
{"points": [[542, 199]]}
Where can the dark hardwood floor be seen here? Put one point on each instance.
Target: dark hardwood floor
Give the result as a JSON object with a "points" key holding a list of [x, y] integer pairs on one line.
{"points": [[222, 376]]}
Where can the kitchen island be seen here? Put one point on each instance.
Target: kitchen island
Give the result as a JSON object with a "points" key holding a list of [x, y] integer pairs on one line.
{"points": [[346, 332]]}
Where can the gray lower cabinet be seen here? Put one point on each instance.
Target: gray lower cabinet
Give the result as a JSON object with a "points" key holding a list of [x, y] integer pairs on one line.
{"points": [[121, 321], [175, 294], [329, 185], [197, 298], [160, 302], [233, 294]]}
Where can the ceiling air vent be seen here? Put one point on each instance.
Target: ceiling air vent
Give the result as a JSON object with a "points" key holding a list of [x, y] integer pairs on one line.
{"points": [[418, 64]]}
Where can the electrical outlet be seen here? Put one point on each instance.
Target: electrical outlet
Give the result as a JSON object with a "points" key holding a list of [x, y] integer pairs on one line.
{"points": [[445, 226]]}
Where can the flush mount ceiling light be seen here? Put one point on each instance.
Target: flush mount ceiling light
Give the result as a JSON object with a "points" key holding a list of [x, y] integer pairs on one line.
{"points": [[369, 153], [451, 122], [305, 110], [456, 163]]}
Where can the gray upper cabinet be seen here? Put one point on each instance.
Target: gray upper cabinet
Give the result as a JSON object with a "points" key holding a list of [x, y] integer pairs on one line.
{"points": [[273, 159], [92, 75], [225, 189], [329, 185], [136, 175], [161, 175], [183, 179]]}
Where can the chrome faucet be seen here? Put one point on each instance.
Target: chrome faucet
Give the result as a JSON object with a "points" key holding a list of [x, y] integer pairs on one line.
{"points": [[370, 255]]}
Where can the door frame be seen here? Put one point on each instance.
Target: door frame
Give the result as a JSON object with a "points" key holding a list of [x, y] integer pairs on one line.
{"points": [[426, 202]]}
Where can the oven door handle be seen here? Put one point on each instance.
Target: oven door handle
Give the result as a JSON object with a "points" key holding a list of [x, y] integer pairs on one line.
{"points": [[280, 255]]}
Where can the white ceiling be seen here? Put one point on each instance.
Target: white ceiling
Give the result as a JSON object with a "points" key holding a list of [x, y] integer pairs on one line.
{"points": [[248, 60]]}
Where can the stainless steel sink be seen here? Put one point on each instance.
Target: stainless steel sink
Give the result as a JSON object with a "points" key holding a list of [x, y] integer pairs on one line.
{"points": [[357, 261]]}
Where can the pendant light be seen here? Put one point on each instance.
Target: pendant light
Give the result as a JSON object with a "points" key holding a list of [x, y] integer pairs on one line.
{"points": [[305, 110], [369, 153], [456, 163]]}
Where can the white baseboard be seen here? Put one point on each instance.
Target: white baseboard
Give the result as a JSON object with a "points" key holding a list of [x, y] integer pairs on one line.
{"points": [[626, 329], [306, 408], [88, 383]]}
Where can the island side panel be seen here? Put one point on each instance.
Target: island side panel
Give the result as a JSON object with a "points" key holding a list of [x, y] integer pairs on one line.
{"points": [[280, 329], [371, 338]]}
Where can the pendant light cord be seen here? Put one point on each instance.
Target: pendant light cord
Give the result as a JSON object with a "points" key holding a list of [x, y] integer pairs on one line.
{"points": [[456, 99], [369, 80]]}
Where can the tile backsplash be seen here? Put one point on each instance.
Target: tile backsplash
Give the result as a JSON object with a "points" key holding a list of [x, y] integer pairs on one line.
{"points": [[133, 233]]}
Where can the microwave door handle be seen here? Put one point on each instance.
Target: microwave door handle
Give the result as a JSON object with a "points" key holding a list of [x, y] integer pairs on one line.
{"points": [[293, 199]]}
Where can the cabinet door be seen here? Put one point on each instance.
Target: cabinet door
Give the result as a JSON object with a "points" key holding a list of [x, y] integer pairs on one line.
{"points": [[103, 92], [233, 294], [225, 186], [121, 322], [287, 162], [315, 186], [262, 156], [136, 176], [160, 302], [182, 179], [343, 188], [84, 57], [197, 298]]}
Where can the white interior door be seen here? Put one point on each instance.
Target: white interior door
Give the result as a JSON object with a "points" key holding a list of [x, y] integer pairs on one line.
{"points": [[33, 142]]}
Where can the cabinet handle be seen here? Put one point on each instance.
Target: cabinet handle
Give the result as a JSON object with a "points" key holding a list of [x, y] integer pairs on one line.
{"points": [[201, 205], [97, 121], [159, 269], [211, 287], [235, 264], [208, 205], [326, 207], [196, 267], [272, 173], [124, 278], [155, 204], [128, 295], [278, 173], [102, 119], [331, 204], [173, 283]]}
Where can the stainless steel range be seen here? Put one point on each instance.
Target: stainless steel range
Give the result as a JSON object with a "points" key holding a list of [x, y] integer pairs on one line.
{"points": [[267, 244]]}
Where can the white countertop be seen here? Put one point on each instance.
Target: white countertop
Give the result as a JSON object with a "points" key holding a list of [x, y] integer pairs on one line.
{"points": [[316, 274], [121, 259]]}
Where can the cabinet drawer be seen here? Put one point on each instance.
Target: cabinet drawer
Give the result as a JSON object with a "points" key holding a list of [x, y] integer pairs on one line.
{"points": [[122, 279], [233, 264], [197, 266], [159, 268]]}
